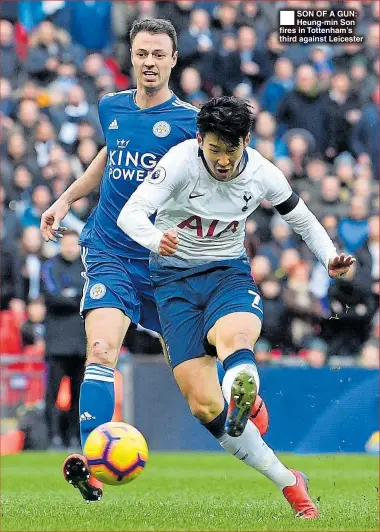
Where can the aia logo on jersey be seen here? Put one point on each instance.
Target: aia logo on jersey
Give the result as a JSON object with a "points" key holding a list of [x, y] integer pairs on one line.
{"points": [[157, 176], [161, 129], [196, 223]]}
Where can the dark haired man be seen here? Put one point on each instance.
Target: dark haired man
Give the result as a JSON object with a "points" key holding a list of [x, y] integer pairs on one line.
{"points": [[203, 191], [62, 285], [140, 126]]}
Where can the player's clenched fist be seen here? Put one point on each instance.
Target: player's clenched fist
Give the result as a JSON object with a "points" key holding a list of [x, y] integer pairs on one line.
{"points": [[169, 242]]}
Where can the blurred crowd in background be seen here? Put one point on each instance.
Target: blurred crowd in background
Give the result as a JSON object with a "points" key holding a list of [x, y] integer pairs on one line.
{"points": [[317, 119]]}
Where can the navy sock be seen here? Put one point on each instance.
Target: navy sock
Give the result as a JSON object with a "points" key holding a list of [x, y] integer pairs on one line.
{"points": [[97, 399], [216, 426], [241, 356]]}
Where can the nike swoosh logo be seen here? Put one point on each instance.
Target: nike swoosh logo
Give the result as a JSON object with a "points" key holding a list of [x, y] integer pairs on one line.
{"points": [[192, 196]]}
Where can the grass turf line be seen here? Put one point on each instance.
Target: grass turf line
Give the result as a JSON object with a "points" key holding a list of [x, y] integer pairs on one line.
{"points": [[191, 491]]}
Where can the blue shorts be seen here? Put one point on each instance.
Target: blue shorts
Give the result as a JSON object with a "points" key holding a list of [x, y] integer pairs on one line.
{"points": [[117, 282], [190, 306]]}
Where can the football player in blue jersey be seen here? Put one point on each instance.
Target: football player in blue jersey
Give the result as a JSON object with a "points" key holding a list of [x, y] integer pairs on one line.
{"points": [[139, 126]]}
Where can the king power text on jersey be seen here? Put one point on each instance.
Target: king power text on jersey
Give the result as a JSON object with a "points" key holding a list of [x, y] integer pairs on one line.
{"points": [[123, 164]]}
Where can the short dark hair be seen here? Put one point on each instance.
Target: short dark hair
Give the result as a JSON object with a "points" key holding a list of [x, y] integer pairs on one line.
{"points": [[228, 117], [155, 26]]}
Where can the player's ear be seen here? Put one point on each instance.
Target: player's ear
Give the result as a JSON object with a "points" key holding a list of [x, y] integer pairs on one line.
{"points": [[247, 140], [174, 59], [199, 139]]}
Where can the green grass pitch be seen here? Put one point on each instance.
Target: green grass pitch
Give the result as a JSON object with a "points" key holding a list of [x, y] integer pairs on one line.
{"points": [[191, 491]]}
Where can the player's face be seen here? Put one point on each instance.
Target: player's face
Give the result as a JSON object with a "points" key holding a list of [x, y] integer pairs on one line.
{"points": [[222, 159], [152, 59]]}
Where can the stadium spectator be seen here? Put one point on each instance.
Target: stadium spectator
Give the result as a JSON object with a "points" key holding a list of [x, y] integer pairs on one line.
{"points": [[91, 26], [300, 144], [191, 87], [45, 139], [353, 230], [28, 116], [277, 321], [11, 294], [10, 62], [316, 353], [320, 57], [7, 103], [260, 268], [343, 114], [349, 53], [252, 60], [95, 78], [33, 329], [226, 18], [363, 82], [62, 287], [282, 238], [352, 307], [265, 129], [20, 190], [262, 351], [372, 41], [67, 117], [365, 135], [329, 200], [66, 78], [303, 308], [251, 14], [277, 85], [305, 107], [368, 256], [177, 12], [31, 254], [17, 155], [197, 43], [262, 217], [228, 75], [48, 47], [41, 199]]}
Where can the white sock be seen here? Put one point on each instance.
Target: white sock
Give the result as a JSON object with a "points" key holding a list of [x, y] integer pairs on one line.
{"points": [[230, 375], [251, 449]]}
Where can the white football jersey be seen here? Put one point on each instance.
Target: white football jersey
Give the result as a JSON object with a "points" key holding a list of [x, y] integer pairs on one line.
{"points": [[209, 214]]}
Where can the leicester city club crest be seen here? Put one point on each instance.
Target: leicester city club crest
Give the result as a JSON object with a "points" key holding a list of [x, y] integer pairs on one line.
{"points": [[161, 129], [97, 291]]}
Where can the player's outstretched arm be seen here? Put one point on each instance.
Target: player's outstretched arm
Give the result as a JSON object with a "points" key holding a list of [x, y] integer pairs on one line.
{"points": [[303, 222], [294, 211], [51, 228]]}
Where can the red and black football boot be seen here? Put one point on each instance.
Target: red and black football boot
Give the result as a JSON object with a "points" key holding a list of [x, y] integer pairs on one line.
{"points": [[299, 499], [76, 473]]}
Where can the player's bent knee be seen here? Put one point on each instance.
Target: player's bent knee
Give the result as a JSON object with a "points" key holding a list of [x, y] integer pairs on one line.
{"points": [[101, 352]]}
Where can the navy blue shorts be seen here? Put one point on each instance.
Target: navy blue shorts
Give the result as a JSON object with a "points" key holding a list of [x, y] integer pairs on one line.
{"points": [[191, 305], [117, 282]]}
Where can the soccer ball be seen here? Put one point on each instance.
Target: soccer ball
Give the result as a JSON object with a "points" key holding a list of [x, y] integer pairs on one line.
{"points": [[116, 453]]}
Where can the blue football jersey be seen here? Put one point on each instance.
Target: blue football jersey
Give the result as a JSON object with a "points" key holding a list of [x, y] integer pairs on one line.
{"points": [[136, 140]]}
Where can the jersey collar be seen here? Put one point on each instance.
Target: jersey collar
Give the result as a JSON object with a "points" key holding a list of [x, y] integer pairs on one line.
{"points": [[155, 107]]}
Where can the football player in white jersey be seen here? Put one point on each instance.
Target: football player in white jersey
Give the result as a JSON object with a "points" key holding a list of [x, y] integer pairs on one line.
{"points": [[203, 190]]}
